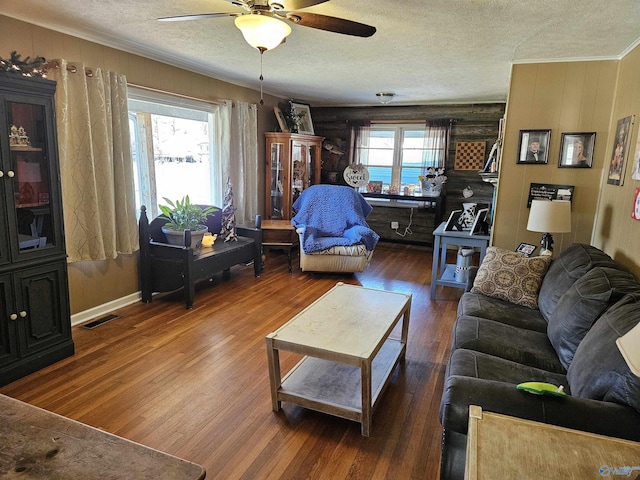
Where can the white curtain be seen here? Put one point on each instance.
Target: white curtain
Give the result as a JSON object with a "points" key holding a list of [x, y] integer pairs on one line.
{"points": [[359, 142], [238, 154], [95, 162], [436, 144]]}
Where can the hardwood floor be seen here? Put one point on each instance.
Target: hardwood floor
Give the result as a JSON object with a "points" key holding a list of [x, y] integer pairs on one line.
{"points": [[194, 383]]}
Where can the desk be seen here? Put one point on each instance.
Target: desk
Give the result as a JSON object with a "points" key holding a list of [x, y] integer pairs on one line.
{"points": [[41, 444], [433, 203], [441, 273], [500, 447], [279, 234]]}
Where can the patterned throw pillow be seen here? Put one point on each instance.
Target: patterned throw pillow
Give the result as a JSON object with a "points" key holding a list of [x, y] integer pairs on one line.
{"points": [[511, 276]]}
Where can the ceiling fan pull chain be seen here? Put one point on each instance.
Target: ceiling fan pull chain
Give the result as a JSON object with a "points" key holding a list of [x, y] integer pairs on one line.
{"points": [[261, 77]]}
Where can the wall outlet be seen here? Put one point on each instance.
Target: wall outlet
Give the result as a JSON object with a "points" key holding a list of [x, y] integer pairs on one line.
{"points": [[394, 225]]}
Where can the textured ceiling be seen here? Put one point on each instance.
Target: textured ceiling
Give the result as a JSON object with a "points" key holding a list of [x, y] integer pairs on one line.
{"points": [[425, 51]]}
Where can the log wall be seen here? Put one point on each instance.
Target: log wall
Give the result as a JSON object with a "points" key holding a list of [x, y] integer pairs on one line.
{"points": [[471, 123]]}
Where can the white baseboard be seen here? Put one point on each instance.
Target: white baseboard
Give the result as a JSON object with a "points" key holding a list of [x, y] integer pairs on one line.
{"points": [[105, 308]]}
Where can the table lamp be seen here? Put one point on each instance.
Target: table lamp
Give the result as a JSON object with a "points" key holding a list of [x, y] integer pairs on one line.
{"points": [[549, 217], [629, 346]]}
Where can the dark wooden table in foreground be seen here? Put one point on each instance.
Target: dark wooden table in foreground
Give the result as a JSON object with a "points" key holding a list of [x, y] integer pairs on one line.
{"points": [[37, 444]]}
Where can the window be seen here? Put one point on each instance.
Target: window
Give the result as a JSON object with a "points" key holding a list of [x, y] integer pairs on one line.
{"points": [[397, 155], [172, 144]]}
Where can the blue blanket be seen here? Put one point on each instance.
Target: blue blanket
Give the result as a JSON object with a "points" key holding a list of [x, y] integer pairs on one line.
{"points": [[332, 215]]}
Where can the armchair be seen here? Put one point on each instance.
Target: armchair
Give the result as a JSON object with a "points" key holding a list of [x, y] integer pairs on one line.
{"points": [[334, 235]]}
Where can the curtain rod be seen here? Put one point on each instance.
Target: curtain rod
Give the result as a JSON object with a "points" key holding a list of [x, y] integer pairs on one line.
{"points": [[186, 97], [89, 73], [70, 67]]}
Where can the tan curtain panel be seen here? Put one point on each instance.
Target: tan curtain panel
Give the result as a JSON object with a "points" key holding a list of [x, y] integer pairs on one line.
{"points": [[237, 124], [95, 162]]}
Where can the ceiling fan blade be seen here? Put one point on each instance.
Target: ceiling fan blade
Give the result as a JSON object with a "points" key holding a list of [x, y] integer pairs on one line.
{"points": [[199, 16], [298, 4], [331, 24]]}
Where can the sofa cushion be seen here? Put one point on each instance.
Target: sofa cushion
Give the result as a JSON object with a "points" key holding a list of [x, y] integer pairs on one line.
{"points": [[469, 363], [598, 370], [582, 304], [511, 343], [565, 269], [511, 276], [479, 305]]}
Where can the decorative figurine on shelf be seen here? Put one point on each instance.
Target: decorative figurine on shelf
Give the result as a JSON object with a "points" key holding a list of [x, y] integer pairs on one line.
{"points": [[432, 182], [13, 135], [18, 137], [23, 139]]}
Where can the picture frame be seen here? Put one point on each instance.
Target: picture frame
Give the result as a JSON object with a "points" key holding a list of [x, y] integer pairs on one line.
{"points": [[529, 152], [480, 225], [550, 191], [304, 112], [282, 122], [620, 151], [526, 249], [374, 186], [452, 222], [576, 150], [635, 174]]}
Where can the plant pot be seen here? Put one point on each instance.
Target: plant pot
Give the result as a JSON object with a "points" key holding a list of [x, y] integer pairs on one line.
{"points": [[175, 237]]}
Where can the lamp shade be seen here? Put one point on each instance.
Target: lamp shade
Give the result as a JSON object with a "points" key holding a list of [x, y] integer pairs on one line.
{"points": [[550, 216], [261, 31], [629, 346]]}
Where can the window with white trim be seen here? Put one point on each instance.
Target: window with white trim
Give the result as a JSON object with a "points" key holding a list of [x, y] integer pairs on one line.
{"points": [[173, 145], [397, 154]]}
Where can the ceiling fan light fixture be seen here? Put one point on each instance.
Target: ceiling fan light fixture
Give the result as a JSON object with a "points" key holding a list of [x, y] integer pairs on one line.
{"points": [[385, 97], [262, 31]]}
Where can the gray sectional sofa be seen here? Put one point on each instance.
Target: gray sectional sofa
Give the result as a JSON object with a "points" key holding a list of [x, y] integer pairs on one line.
{"points": [[585, 301]]}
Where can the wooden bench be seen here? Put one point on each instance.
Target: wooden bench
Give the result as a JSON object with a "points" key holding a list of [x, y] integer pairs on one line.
{"points": [[165, 267]]}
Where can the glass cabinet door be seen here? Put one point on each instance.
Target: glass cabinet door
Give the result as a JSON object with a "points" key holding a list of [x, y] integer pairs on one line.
{"points": [[277, 181], [30, 216], [300, 170]]}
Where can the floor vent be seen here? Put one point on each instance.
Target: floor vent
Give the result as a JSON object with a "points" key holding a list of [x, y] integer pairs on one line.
{"points": [[100, 321]]}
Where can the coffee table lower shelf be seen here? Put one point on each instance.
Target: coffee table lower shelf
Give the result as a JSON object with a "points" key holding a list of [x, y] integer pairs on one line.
{"points": [[336, 388]]}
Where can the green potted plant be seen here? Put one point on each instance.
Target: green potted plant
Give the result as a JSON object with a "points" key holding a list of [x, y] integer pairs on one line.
{"points": [[183, 215]]}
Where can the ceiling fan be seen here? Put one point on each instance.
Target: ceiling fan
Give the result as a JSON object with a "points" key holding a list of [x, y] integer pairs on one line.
{"points": [[263, 26]]}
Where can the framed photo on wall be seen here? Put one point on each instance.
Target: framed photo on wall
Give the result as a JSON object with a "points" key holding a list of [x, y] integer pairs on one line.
{"points": [[576, 150], [620, 151], [533, 146], [303, 112]]}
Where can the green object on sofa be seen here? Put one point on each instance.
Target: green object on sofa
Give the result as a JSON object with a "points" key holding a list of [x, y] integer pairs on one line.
{"points": [[542, 388]]}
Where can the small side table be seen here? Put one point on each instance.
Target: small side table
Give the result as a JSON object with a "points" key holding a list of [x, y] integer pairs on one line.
{"points": [[441, 273], [500, 447], [279, 234]]}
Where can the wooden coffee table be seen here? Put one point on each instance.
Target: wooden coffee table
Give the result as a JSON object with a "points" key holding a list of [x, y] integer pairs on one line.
{"points": [[345, 335]]}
